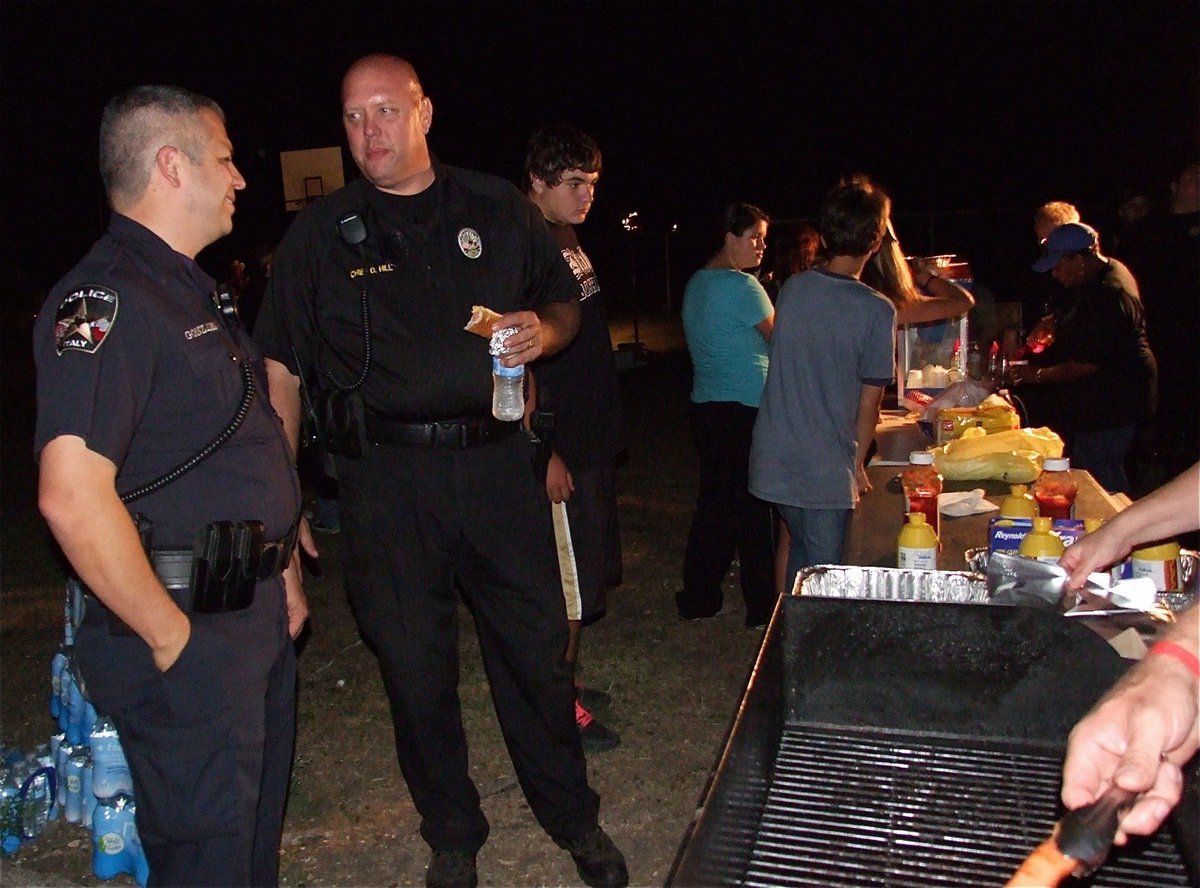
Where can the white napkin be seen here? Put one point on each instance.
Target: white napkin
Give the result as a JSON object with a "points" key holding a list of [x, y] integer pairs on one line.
{"points": [[968, 502]]}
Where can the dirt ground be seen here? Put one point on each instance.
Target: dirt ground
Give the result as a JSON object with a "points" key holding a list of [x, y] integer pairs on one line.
{"points": [[675, 688]]}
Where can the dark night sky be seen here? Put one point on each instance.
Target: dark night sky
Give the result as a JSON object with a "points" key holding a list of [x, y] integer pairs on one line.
{"points": [[952, 105]]}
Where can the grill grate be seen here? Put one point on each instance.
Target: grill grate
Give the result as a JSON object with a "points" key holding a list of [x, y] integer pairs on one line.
{"points": [[848, 809]]}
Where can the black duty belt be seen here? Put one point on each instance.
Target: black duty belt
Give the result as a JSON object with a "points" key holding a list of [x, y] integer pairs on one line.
{"points": [[452, 434], [179, 570]]}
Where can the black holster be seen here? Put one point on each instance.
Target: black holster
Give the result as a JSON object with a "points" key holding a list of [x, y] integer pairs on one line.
{"points": [[225, 567], [230, 558], [340, 424]]}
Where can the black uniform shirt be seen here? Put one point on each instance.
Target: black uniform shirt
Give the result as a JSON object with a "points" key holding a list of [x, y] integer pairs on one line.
{"points": [[133, 358], [1101, 322], [470, 239], [580, 383]]}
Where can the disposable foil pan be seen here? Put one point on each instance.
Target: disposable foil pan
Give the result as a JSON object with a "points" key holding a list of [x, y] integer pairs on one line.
{"points": [[891, 584]]}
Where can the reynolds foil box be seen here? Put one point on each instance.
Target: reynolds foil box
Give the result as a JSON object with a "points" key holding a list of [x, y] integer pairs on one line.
{"points": [[1005, 534]]}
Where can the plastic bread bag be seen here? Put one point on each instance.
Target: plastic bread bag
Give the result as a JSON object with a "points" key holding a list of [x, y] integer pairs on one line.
{"points": [[1014, 456]]}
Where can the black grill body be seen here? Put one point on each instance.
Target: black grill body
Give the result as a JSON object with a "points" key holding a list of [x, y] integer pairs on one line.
{"points": [[904, 744]]}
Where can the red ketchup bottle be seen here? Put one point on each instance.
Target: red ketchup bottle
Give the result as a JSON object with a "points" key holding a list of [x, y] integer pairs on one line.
{"points": [[922, 483], [1055, 490]]}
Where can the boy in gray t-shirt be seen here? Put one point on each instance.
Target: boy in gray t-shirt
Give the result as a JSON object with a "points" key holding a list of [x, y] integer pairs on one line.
{"points": [[831, 357]]}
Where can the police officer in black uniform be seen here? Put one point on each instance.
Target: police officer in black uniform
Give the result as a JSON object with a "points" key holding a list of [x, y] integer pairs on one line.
{"points": [[152, 401], [369, 293]]}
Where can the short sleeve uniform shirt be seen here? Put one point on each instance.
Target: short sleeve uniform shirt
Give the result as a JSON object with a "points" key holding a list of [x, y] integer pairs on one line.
{"points": [[469, 239], [134, 358]]}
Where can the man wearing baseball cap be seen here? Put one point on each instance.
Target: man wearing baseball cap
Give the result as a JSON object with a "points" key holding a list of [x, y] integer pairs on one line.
{"points": [[1096, 380]]}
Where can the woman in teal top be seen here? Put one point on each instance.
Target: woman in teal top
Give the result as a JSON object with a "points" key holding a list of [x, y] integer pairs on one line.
{"points": [[727, 321]]}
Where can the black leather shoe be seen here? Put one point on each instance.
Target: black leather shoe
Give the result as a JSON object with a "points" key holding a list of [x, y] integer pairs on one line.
{"points": [[599, 862], [451, 869]]}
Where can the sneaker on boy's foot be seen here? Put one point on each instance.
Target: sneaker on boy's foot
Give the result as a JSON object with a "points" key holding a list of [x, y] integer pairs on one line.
{"points": [[591, 698], [594, 736], [451, 869], [600, 863]]}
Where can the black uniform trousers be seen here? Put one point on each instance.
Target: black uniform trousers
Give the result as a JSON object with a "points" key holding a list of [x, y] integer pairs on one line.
{"points": [[729, 519], [209, 742], [415, 522]]}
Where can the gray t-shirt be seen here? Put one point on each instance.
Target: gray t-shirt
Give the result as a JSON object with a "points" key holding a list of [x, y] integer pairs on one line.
{"points": [[832, 335]]}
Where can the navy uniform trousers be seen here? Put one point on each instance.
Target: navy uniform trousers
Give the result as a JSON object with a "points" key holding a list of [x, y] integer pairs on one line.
{"points": [[417, 522], [209, 741]]}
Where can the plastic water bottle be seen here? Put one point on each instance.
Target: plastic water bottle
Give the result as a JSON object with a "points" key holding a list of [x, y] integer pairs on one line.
{"points": [[73, 610], [61, 755], [116, 847], [508, 391], [56, 741], [37, 798], [72, 775], [58, 665], [10, 813], [66, 683], [87, 797], [110, 769]]}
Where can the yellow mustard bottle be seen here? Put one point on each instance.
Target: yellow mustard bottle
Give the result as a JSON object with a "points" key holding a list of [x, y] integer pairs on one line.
{"points": [[1160, 563], [1019, 503], [917, 545], [1041, 543], [1117, 571]]}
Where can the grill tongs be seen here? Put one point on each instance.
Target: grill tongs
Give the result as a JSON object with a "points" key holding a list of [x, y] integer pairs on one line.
{"points": [[1078, 845], [1086, 834]]}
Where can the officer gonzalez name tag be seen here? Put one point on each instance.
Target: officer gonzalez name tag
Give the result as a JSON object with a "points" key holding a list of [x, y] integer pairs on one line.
{"points": [[470, 243], [84, 318]]}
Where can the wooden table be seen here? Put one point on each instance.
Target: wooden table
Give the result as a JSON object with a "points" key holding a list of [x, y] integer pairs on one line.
{"points": [[871, 538]]}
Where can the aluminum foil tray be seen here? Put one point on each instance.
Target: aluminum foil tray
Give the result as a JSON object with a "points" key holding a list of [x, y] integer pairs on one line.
{"points": [[891, 584]]}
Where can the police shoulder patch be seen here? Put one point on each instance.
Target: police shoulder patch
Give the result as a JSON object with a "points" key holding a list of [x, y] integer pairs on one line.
{"points": [[84, 318]]}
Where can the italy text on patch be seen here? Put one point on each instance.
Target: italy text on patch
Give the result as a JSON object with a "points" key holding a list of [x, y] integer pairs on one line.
{"points": [[470, 243], [84, 318]]}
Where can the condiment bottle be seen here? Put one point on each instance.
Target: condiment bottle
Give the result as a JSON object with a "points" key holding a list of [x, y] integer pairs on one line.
{"points": [[917, 545], [1018, 504], [1160, 563], [1055, 490], [922, 483], [1041, 543], [1117, 571]]}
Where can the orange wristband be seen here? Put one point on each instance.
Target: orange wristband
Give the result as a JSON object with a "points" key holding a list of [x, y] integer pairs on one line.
{"points": [[1178, 652]]}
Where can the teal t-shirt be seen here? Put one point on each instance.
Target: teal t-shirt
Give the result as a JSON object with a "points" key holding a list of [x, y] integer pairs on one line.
{"points": [[721, 308]]}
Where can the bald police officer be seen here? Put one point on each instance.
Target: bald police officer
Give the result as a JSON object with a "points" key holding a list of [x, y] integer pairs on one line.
{"points": [[370, 290], [140, 373]]}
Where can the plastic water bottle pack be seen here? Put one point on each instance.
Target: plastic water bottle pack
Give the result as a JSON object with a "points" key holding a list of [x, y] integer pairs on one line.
{"points": [[116, 847], [81, 775]]}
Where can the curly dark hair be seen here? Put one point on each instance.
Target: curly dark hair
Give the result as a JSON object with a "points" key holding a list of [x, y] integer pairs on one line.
{"points": [[555, 149]]}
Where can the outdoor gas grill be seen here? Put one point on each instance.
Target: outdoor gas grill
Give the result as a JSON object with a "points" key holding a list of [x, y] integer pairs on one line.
{"points": [[911, 740]]}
